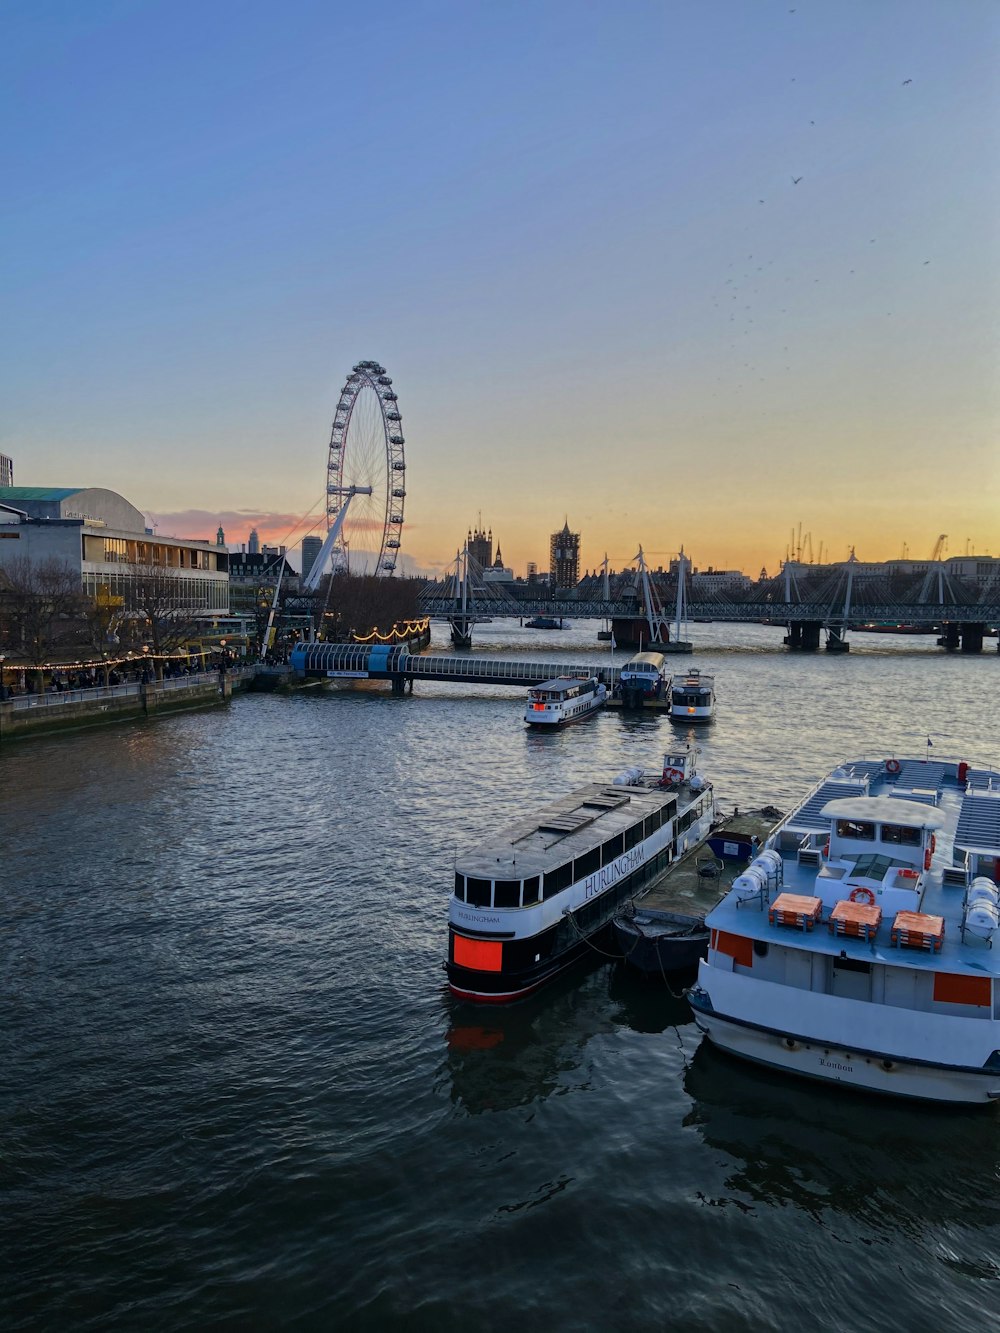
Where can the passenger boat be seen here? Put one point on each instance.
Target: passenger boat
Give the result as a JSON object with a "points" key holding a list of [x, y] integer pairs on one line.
{"points": [[641, 677], [692, 697], [556, 703], [543, 622], [531, 901], [663, 929], [858, 946]]}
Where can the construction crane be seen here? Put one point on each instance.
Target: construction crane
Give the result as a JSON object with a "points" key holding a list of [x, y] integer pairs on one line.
{"points": [[939, 547]]}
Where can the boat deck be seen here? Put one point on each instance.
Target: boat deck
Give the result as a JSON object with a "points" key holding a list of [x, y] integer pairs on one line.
{"points": [[936, 898], [684, 887]]}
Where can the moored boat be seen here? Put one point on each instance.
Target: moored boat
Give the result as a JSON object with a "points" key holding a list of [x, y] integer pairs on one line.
{"points": [[857, 947], [557, 703], [692, 696], [544, 622], [528, 903]]}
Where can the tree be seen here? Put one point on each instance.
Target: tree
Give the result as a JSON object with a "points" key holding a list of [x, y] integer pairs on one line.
{"points": [[41, 603], [157, 594]]}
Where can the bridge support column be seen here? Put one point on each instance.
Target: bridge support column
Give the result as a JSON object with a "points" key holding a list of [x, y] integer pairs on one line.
{"points": [[793, 639], [803, 636], [972, 638], [461, 630], [836, 641], [949, 637], [399, 685]]}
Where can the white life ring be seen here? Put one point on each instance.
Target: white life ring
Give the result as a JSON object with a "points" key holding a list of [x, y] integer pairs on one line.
{"points": [[673, 775]]}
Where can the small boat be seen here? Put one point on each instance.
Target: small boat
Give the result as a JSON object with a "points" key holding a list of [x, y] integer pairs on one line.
{"points": [[544, 622], [556, 703], [857, 947], [660, 942], [653, 935], [641, 678], [692, 697], [528, 902]]}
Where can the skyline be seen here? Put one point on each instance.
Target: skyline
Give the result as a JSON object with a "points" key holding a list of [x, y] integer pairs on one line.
{"points": [[690, 278]]}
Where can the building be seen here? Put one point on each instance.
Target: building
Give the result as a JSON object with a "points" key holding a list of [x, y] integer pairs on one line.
{"points": [[480, 546], [253, 577], [564, 558], [311, 547], [253, 542], [6, 471], [103, 537], [498, 572]]}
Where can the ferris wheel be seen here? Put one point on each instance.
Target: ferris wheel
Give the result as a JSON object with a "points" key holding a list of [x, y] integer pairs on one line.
{"points": [[366, 474]]}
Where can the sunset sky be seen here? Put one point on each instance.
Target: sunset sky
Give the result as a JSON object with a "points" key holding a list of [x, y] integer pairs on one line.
{"points": [[683, 272]]}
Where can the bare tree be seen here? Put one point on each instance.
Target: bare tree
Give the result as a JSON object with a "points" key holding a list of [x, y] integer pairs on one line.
{"points": [[159, 597], [42, 601]]}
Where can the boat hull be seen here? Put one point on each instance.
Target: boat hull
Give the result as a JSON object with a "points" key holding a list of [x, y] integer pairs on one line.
{"points": [[555, 723], [657, 953], [869, 1071]]}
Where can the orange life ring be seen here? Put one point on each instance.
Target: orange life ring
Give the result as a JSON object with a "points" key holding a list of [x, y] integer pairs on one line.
{"points": [[892, 765], [927, 859], [826, 847], [673, 774], [933, 843], [869, 896]]}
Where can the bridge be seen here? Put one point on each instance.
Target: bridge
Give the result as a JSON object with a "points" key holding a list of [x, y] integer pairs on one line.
{"points": [[807, 598], [362, 661]]}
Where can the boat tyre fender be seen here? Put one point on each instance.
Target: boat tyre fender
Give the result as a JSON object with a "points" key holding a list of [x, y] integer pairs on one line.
{"points": [[927, 859], [892, 765], [863, 895]]}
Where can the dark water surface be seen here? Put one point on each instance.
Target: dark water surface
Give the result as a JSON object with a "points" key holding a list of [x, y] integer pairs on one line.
{"points": [[234, 1092]]}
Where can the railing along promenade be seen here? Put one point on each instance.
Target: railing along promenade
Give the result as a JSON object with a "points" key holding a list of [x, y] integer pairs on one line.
{"points": [[55, 709]]}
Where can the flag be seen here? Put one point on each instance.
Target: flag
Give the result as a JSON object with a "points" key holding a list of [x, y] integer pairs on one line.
{"points": [[929, 742], [613, 644]]}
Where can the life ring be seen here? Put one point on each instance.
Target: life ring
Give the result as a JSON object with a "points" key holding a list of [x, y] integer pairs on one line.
{"points": [[673, 775], [933, 843], [826, 847], [892, 765], [927, 859], [862, 894]]}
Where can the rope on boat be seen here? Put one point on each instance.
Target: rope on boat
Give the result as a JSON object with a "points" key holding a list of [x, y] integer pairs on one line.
{"points": [[622, 957]]}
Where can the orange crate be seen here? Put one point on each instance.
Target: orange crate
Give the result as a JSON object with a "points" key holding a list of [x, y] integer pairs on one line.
{"points": [[918, 930], [860, 920], [795, 909]]}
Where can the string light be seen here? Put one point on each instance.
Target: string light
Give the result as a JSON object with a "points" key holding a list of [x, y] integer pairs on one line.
{"points": [[395, 635]]}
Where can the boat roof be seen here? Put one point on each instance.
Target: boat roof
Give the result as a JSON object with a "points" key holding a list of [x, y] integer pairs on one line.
{"points": [[561, 682], [882, 810], [570, 827]]}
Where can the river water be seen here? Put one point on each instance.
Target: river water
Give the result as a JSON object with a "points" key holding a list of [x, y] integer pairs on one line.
{"points": [[236, 1094]]}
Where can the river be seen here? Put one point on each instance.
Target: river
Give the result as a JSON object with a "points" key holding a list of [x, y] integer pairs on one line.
{"points": [[236, 1094]]}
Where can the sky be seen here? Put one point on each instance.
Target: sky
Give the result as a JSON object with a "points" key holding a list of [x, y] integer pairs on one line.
{"points": [[682, 273]]}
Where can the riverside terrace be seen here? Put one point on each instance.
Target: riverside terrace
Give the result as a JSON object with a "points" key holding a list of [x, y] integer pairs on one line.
{"points": [[807, 598]]}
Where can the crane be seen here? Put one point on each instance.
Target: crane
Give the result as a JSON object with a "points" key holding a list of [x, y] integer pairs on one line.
{"points": [[939, 546]]}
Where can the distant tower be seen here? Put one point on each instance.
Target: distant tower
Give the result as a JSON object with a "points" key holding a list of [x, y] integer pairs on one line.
{"points": [[481, 545], [564, 558], [498, 562], [532, 569], [311, 547], [6, 470], [220, 537], [253, 544]]}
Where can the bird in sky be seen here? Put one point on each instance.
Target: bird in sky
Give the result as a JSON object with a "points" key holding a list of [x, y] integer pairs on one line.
{"points": [[796, 179], [906, 81]]}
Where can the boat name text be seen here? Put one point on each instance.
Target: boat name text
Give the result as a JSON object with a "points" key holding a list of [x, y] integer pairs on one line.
{"points": [[611, 874]]}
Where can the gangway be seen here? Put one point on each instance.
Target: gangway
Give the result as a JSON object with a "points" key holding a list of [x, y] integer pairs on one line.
{"points": [[356, 661]]}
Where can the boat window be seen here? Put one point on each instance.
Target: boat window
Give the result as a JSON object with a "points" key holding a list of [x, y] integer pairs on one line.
{"points": [[651, 823], [633, 836], [556, 880], [507, 893], [586, 865], [859, 830], [531, 890], [901, 835], [478, 892], [612, 848], [460, 887]]}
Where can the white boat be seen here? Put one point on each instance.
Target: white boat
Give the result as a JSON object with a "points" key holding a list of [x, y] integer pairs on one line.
{"points": [[555, 703], [527, 902], [858, 946], [692, 697]]}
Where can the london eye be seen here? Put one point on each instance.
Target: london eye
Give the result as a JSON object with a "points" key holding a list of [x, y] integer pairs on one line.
{"points": [[366, 473]]}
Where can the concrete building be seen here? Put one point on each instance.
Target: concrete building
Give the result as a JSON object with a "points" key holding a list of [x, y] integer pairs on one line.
{"points": [[311, 547], [564, 558], [105, 539], [6, 471]]}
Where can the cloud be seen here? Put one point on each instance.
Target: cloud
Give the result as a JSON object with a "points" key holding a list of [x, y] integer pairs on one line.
{"points": [[272, 526]]}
